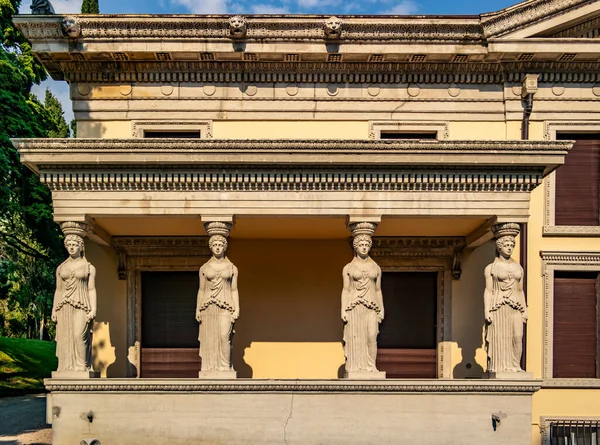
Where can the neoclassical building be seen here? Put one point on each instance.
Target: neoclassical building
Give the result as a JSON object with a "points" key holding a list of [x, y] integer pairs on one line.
{"points": [[290, 131]]}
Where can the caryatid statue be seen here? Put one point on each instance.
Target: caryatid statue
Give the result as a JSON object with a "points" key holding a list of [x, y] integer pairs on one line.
{"points": [[74, 306], [362, 306], [217, 306], [504, 304]]}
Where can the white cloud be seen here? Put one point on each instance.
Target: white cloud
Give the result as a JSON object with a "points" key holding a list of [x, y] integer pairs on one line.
{"points": [[60, 89], [60, 6], [204, 6], [268, 9], [405, 7]]}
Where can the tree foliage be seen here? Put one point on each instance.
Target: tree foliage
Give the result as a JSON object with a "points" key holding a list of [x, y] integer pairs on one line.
{"points": [[59, 129], [30, 241], [90, 7]]}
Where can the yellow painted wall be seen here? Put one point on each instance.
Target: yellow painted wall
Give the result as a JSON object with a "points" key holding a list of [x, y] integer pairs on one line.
{"points": [[467, 314], [290, 130], [477, 130], [290, 303], [104, 129], [109, 345]]}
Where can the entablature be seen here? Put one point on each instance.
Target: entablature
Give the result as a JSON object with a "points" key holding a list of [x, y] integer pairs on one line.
{"points": [[533, 36]]}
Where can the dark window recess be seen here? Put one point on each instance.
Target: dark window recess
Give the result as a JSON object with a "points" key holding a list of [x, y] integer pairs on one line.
{"points": [[407, 341], [168, 310], [172, 134], [575, 432], [398, 135], [577, 201], [575, 335]]}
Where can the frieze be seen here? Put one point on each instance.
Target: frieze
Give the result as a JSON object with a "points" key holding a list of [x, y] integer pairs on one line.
{"points": [[291, 181], [138, 245], [417, 246], [524, 14], [297, 386]]}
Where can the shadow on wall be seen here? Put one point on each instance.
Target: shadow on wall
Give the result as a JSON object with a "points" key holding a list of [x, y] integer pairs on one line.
{"points": [[102, 350], [109, 349], [467, 312], [290, 293]]}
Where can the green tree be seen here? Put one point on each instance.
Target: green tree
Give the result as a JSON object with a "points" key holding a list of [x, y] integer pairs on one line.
{"points": [[30, 241], [59, 128], [73, 126], [90, 7]]}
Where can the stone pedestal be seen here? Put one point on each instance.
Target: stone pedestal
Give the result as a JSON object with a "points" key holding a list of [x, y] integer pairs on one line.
{"points": [[217, 375], [364, 375], [75, 374], [509, 375]]}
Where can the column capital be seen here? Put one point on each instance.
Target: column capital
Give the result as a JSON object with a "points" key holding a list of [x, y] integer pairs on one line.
{"points": [[218, 228], [218, 218], [506, 229], [74, 228], [362, 228]]}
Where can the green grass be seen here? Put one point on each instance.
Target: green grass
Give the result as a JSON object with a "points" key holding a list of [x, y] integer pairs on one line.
{"points": [[24, 364]]}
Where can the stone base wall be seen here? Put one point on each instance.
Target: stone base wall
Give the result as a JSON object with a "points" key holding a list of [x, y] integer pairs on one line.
{"points": [[187, 411]]}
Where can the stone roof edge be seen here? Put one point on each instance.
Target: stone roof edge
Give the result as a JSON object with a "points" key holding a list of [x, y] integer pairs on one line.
{"points": [[521, 15], [301, 27], [178, 145], [258, 28]]}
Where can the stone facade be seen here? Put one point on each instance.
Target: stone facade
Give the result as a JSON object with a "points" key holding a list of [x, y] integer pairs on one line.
{"points": [[304, 126]]}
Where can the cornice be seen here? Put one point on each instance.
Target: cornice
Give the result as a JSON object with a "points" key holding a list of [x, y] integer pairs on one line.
{"points": [[527, 13], [528, 158], [285, 145], [551, 258], [259, 28], [293, 386]]}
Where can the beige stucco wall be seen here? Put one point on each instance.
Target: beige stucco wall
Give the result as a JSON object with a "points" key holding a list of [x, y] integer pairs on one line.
{"points": [[110, 328]]}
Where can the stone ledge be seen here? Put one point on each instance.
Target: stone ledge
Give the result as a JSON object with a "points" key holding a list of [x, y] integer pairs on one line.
{"points": [[390, 386]]}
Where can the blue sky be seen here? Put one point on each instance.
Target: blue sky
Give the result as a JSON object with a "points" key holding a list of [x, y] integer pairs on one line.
{"points": [[394, 7]]}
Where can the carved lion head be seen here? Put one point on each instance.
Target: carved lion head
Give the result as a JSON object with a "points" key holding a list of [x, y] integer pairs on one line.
{"points": [[333, 27], [237, 26], [71, 27]]}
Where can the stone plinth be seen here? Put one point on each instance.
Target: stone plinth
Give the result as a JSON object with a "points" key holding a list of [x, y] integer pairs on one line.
{"points": [[217, 375], [62, 375], [306, 412], [509, 375], [364, 375]]}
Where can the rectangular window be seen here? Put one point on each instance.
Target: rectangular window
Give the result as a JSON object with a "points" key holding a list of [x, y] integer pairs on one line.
{"points": [[172, 134], [407, 341], [404, 135], [169, 329], [574, 432], [577, 201], [575, 336]]}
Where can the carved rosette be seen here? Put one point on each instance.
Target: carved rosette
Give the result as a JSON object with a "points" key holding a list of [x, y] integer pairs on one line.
{"points": [[75, 228]]}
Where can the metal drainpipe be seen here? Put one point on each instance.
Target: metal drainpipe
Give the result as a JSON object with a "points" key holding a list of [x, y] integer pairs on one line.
{"points": [[526, 113], [528, 108]]}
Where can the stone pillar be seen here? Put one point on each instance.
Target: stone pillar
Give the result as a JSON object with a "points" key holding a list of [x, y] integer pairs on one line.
{"points": [[505, 309], [74, 307], [217, 306], [362, 306]]}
